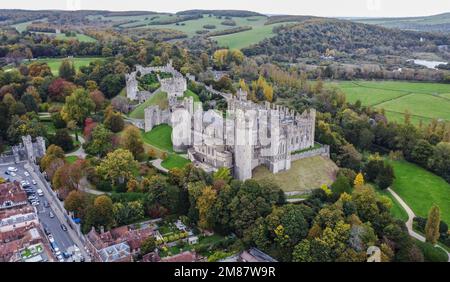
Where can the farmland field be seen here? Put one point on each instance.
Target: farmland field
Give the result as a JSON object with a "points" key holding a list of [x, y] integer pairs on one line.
{"points": [[20, 27], [420, 189], [54, 63], [237, 40], [424, 101]]}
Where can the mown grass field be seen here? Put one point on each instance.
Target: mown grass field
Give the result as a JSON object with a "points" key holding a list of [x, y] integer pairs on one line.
{"points": [[159, 99], [424, 101], [175, 161], [305, 174], [420, 189], [55, 63], [160, 137]]}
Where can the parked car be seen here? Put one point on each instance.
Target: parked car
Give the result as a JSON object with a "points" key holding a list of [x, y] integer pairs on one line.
{"points": [[50, 238], [34, 182], [7, 172], [63, 227], [11, 168], [47, 231], [46, 204], [40, 193], [51, 215], [13, 174], [60, 258], [26, 173]]}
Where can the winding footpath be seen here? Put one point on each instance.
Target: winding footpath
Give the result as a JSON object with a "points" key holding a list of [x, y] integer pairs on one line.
{"points": [[80, 152], [409, 222]]}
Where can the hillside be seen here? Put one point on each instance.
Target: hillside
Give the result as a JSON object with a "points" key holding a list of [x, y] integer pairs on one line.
{"points": [[439, 22], [347, 41]]}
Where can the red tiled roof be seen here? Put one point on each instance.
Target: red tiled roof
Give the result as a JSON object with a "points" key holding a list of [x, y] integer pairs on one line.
{"points": [[11, 191], [182, 257]]}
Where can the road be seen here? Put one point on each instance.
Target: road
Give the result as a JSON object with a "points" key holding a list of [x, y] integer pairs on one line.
{"points": [[63, 239]]}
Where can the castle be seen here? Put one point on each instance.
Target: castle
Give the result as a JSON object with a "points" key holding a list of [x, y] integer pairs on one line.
{"points": [[247, 136]]}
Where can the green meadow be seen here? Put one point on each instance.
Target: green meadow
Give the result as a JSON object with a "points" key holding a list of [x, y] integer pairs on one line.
{"points": [[424, 101]]}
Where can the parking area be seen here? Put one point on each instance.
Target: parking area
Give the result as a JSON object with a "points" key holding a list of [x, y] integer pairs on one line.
{"points": [[55, 230]]}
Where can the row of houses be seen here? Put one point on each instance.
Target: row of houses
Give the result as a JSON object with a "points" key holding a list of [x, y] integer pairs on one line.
{"points": [[21, 235]]}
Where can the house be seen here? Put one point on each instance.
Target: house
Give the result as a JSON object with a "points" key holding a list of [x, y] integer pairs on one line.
{"points": [[26, 243], [11, 219], [250, 255], [118, 244], [187, 256], [12, 195]]}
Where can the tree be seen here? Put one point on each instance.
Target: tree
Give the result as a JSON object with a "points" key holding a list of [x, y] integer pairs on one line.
{"points": [[359, 180], [30, 103], [67, 70], [114, 122], [118, 166], [148, 245], [112, 84], [75, 202], [341, 185], [53, 152], [223, 173], [98, 98], [205, 202], [432, 226], [422, 152], [63, 139], [385, 176], [126, 213], [101, 213], [440, 160], [78, 106], [59, 89], [100, 142], [131, 140]]}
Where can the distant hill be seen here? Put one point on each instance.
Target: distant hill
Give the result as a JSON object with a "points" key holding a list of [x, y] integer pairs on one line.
{"points": [[348, 41], [440, 23], [223, 13]]}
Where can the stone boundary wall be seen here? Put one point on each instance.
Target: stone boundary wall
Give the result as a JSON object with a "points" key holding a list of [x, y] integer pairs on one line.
{"points": [[323, 151]]}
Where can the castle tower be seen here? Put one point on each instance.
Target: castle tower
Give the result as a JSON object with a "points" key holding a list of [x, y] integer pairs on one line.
{"points": [[243, 151]]}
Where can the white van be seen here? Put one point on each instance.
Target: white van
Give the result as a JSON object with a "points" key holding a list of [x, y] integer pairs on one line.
{"points": [[40, 193]]}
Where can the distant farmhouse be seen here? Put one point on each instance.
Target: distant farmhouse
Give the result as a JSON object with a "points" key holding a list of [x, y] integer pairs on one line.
{"points": [[250, 134]]}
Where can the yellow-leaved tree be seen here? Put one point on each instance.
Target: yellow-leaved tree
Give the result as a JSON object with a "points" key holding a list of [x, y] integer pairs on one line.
{"points": [[359, 180]]}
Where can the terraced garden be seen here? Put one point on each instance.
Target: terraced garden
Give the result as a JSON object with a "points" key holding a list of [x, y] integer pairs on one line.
{"points": [[424, 101]]}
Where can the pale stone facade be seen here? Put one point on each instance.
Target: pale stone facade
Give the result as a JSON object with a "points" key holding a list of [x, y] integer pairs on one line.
{"points": [[29, 150], [272, 134]]}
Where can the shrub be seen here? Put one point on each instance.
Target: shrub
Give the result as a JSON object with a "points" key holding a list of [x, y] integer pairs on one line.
{"points": [[209, 26]]}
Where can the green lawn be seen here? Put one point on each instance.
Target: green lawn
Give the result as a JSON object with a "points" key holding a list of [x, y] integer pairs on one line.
{"points": [[54, 63], [159, 99], [420, 189], [160, 137], [305, 174], [71, 159], [189, 93], [424, 101], [175, 161]]}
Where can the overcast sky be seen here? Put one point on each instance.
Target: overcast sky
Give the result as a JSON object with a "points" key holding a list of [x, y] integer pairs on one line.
{"points": [[329, 8]]}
